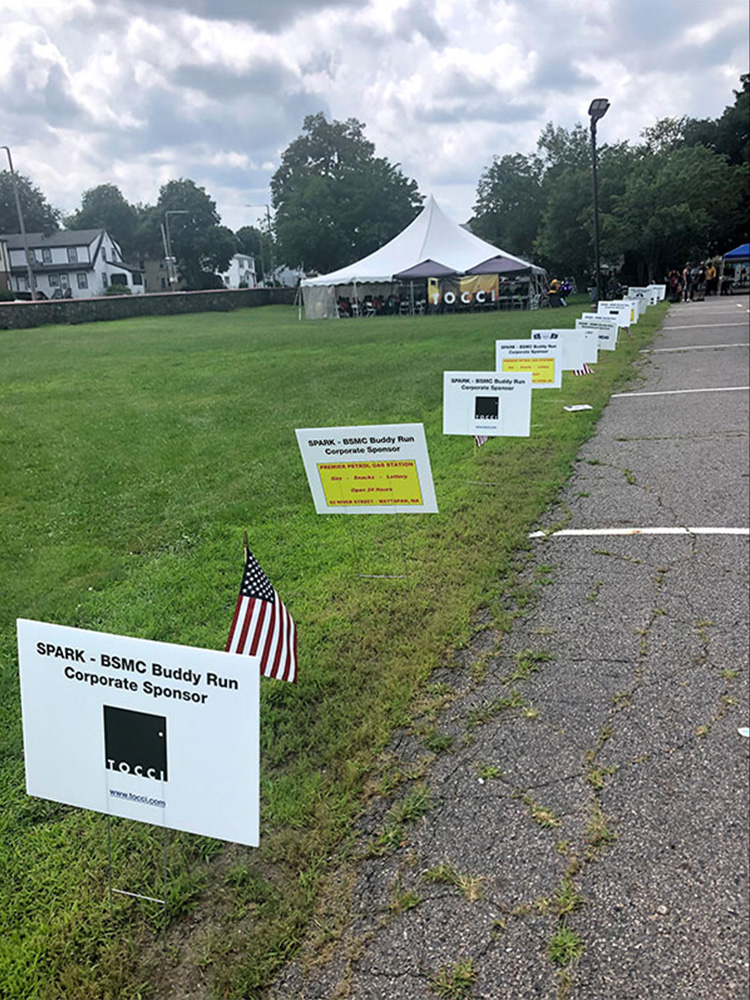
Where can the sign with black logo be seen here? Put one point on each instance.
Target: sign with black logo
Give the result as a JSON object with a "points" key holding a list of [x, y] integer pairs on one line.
{"points": [[135, 743], [497, 403], [147, 731]]}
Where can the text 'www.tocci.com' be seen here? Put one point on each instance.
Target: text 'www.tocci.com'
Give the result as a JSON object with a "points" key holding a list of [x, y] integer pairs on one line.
{"points": [[143, 799]]}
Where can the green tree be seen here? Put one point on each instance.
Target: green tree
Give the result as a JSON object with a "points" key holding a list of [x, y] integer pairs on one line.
{"points": [[336, 201], [565, 243], [38, 214], [563, 149], [678, 204], [509, 204], [729, 134], [201, 245], [104, 207]]}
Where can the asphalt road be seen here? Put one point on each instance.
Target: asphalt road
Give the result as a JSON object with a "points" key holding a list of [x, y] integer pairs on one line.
{"points": [[599, 814]]}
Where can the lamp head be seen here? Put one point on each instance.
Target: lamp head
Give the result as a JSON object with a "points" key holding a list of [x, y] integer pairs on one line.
{"points": [[598, 108]]}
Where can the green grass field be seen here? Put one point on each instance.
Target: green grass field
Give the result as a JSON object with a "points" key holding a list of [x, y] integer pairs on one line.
{"points": [[133, 456]]}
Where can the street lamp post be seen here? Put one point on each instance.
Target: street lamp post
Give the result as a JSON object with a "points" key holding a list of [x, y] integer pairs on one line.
{"points": [[29, 269], [597, 109], [171, 269]]}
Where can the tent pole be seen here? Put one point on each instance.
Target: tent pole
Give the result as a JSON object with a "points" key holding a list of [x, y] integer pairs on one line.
{"points": [[411, 296]]}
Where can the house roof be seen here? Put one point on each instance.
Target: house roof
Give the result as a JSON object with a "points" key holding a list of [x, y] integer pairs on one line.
{"points": [[63, 238]]}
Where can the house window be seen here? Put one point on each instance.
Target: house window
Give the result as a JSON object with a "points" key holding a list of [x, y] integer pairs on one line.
{"points": [[31, 256], [104, 278], [72, 255], [53, 279], [104, 253], [119, 279], [83, 281], [23, 285], [46, 256], [137, 278]]}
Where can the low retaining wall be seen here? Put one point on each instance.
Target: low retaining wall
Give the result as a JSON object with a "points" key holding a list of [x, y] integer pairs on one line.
{"points": [[23, 315]]}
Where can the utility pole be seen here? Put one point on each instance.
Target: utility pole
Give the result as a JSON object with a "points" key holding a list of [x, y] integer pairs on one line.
{"points": [[29, 268]]}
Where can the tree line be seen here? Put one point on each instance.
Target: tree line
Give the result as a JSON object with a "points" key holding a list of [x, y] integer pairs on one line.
{"points": [[682, 193]]}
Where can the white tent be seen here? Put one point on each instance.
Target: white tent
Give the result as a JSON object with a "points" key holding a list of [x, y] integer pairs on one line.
{"points": [[431, 237]]}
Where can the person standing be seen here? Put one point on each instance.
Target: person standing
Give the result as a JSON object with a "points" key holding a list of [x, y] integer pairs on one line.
{"points": [[711, 279], [686, 283]]}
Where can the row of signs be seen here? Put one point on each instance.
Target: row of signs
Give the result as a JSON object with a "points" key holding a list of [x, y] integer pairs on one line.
{"points": [[170, 734]]}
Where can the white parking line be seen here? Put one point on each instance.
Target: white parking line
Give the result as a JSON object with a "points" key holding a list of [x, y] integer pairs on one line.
{"points": [[692, 347], [701, 326], [583, 532], [678, 392]]}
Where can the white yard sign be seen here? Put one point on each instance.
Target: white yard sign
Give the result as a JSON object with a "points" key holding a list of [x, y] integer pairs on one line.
{"points": [[373, 469], [487, 403], [145, 730], [606, 328], [579, 347], [541, 359], [641, 297], [625, 311]]}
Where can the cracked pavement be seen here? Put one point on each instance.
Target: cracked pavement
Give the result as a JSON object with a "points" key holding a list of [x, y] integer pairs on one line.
{"points": [[607, 798]]}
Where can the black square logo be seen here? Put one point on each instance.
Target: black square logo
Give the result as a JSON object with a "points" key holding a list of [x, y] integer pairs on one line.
{"points": [[486, 407], [135, 743]]}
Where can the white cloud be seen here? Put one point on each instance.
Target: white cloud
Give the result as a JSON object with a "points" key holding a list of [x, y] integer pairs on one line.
{"points": [[138, 91]]}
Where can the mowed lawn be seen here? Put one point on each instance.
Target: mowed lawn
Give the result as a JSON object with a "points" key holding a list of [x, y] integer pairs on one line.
{"points": [[133, 454]]}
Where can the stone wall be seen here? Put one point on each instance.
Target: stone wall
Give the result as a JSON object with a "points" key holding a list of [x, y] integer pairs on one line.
{"points": [[23, 315]]}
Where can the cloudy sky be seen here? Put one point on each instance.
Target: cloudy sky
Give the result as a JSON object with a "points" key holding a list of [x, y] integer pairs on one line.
{"points": [[135, 92]]}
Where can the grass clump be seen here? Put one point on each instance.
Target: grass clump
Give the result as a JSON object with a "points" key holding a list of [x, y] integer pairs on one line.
{"points": [[470, 886], [565, 946], [454, 982], [528, 661]]}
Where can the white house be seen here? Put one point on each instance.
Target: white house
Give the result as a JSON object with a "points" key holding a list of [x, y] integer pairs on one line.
{"points": [[241, 272], [77, 264]]}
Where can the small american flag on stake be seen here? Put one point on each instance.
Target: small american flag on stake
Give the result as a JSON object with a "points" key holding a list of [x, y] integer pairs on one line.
{"points": [[262, 626], [584, 371], [480, 439]]}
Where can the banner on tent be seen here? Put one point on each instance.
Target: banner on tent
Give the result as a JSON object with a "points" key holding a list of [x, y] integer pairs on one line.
{"points": [[472, 289]]}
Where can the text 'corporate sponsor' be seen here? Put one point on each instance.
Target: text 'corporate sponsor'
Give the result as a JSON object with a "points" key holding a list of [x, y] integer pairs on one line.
{"points": [[157, 680]]}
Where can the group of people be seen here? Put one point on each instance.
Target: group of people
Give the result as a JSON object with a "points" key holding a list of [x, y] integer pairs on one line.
{"points": [[695, 281]]}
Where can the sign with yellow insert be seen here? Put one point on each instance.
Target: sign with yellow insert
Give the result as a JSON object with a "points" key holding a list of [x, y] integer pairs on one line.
{"points": [[542, 361], [373, 469], [542, 369], [348, 484]]}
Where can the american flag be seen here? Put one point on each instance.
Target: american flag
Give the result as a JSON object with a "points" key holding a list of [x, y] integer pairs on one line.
{"points": [[480, 439], [262, 626], [584, 371]]}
